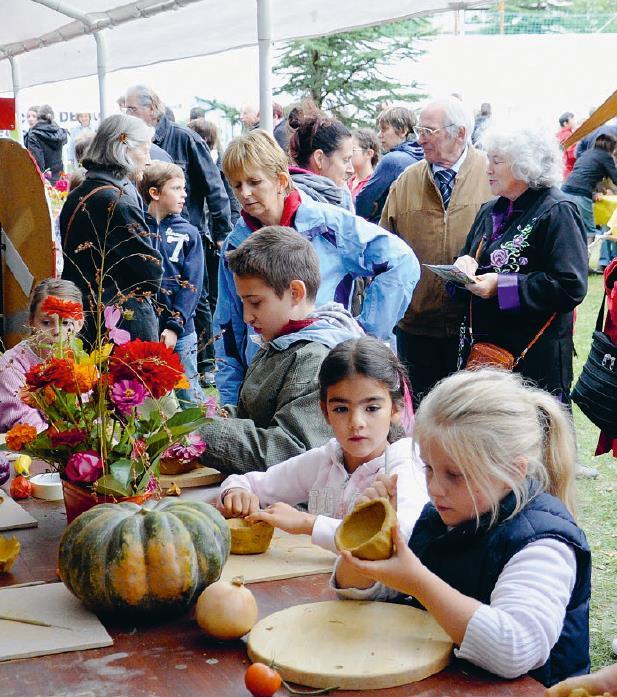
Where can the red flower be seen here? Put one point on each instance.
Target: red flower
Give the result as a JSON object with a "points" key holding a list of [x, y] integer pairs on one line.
{"points": [[63, 374], [66, 309], [152, 363], [68, 438]]}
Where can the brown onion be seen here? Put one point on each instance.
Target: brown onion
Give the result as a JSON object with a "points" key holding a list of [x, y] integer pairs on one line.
{"points": [[226, 610]]}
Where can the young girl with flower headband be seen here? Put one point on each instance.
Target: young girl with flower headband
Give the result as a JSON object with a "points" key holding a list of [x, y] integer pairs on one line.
{"points": [[363, 393], [496, 557], [55, 310]]}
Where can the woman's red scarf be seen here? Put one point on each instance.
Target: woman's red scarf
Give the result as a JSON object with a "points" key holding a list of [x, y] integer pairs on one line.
{"points": [[292, 203]]}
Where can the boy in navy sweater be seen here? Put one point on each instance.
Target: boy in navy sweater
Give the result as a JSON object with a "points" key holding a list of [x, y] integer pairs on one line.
{"points": [[163, 190]]}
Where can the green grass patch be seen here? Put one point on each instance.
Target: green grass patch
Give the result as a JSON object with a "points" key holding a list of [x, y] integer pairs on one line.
{"points": [[597, 513]]}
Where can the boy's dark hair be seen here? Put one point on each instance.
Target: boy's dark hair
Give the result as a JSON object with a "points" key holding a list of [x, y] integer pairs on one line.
{"points": [[197, 112], [364, 356], [156, 175], [277, 255], [400, 118], [565, 117], [316, 132], [605, 142], [369, 140]]}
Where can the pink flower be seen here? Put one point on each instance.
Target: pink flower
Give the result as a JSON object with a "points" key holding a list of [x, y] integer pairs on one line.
{"points": [[139, 449], [84, 467], [191, 447], [211, 406], [126, 394], [111, 315]]}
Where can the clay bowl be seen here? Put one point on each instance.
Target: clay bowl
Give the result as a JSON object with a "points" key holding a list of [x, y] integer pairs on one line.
{"points": [[247, 538], [366, 532], [175, 466]]}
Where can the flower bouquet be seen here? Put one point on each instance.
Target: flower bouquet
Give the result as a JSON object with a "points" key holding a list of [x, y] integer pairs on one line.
{"points": [[108, 415]]}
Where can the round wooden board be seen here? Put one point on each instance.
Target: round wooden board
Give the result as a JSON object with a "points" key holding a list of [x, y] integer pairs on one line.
{"points": [[350, 644]]}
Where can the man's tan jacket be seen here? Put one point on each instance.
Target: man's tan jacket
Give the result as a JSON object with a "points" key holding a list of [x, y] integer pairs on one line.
{"points": [[414, 211]]}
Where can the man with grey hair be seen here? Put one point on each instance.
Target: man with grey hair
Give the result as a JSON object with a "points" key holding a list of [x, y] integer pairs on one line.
{"points": [[203, 185], [432, 206]]}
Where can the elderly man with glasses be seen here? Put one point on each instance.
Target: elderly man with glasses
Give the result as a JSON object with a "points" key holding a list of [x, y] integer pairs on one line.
{"points": [[432, 206]]}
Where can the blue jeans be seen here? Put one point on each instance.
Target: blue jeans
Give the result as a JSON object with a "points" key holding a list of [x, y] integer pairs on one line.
{"points": [[186, 348], [608, 251]]}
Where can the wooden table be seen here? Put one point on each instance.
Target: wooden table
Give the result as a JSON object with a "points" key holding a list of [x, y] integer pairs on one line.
{"points": [[174, 659]]}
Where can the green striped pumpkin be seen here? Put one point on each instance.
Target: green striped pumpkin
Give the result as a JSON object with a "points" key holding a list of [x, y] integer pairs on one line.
{"points": [[152, 559]]}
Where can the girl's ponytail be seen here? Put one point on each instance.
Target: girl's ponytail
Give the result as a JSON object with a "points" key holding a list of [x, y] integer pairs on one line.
{"points": [[559, 448]]}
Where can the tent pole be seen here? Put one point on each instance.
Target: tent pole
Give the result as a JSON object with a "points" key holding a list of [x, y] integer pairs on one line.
{"points": [[101, 66], [16, 88], [264, 37]]}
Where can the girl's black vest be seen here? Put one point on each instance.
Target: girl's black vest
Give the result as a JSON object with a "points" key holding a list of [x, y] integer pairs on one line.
{"points": [[471, 558]]}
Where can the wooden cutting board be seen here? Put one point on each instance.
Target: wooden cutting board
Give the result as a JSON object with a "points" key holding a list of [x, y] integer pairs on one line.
{"points": [[287, 557], [202, 476], [12, 515], [75, 627], [351, 644]]}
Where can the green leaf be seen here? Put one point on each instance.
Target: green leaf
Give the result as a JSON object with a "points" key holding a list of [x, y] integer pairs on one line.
{"points": [[121, 471], [110, 486]]}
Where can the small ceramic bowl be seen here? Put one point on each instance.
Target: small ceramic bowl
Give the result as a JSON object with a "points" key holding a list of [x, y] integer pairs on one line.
{"points": [[9, 551], [175, 466], [247, 538], [47, 486], [366, 532]]}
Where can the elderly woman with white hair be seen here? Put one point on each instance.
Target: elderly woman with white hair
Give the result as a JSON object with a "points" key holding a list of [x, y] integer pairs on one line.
{"points": [[527, 255], [104, 235]]}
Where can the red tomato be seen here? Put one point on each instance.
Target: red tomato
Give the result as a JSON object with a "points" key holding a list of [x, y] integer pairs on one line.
{"points": [[261, 680], [20, 487]]}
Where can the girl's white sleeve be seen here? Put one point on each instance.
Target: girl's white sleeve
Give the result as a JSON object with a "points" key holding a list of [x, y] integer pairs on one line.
{"points": [[516, 632], [290, 481], [411, 491]]}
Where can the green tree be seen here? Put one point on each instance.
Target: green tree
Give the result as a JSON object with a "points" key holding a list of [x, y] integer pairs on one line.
{"points": [[346, 73], [230, 112]]}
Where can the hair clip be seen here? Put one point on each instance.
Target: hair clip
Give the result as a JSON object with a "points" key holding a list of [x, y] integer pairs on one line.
{"points": [[123, 138]]}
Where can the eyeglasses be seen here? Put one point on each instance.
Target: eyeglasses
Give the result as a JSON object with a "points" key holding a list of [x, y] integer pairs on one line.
{"points": [[429, 132], [358, 150], [131, 109]]}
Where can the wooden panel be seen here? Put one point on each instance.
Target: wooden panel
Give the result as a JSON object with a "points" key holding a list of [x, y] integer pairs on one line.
{"points": [[26, 220]]}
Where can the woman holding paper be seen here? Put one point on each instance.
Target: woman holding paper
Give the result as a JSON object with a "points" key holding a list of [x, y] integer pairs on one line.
{"points": [[527, 254]]}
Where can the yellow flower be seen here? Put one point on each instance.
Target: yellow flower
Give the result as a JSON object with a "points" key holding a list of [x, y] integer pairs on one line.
{"points": [[98, 356], [183, 383]]}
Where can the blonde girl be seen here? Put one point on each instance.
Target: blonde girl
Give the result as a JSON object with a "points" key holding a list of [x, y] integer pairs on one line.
{"points": [[496, 556], [45, 330]]}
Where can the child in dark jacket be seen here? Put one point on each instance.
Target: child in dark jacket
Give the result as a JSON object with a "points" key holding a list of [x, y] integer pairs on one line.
{"points": [[163, 190], [496, 557], [276, 276]]}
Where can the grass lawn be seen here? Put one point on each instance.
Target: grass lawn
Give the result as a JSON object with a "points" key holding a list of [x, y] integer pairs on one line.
{"points": [[597, 513]]}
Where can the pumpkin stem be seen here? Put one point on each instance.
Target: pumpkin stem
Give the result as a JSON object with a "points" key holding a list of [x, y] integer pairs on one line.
{"points": [[238, 581]]}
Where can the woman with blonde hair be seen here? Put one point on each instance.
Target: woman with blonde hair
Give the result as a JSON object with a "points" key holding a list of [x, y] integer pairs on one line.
{"points": [[496, 556], [347, 247]]}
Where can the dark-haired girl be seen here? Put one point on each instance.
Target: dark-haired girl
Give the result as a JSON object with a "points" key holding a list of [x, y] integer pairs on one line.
{"points": [[321, 149], [363, 392]]}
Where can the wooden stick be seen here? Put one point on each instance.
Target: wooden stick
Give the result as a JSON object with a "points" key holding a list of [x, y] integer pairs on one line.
{"points": [[38, 623]]}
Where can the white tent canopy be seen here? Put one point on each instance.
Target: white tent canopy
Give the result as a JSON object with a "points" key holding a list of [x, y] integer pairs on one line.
{"points": [[45, 41]]}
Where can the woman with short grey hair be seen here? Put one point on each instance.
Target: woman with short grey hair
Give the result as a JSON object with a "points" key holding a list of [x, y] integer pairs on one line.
{"points": [[107, 248], [527, 255]]}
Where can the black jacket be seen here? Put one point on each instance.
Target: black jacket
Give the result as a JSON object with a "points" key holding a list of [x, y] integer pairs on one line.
{"points": [[111, 221], [543, 247], [45, 141], [589, 169], [203, 180]]}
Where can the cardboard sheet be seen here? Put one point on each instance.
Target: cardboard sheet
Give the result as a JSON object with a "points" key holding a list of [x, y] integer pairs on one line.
{"points": [[288, 556], [12, 515], [75, 628]]}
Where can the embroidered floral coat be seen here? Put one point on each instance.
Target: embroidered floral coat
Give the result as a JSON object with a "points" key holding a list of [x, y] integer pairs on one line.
{"points": [[542, 261]]}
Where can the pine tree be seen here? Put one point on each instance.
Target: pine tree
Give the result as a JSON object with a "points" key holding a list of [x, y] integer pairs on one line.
{"points": [[345, 73]]}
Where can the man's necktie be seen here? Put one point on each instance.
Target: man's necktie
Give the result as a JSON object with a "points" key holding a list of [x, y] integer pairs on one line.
{"points": [[445, 182]]}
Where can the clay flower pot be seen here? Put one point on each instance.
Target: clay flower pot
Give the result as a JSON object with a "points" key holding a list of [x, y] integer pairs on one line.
{"points": [[366, 532], [78, 499], [175, 466], [247, 538]]}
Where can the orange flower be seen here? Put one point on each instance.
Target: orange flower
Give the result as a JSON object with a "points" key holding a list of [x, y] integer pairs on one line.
{"points": [[20, 435], [63, 374], [86, 377], [183, 383], [66, 309]]}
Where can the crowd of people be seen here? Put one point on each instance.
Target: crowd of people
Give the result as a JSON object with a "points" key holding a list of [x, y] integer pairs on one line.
{"points": [[291, 270]]}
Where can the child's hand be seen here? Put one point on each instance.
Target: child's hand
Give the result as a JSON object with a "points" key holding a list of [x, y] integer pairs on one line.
{"points": [[397, 572], [604, 680], [285, 517], [382, 488], [239, 503], [169, 338]]}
